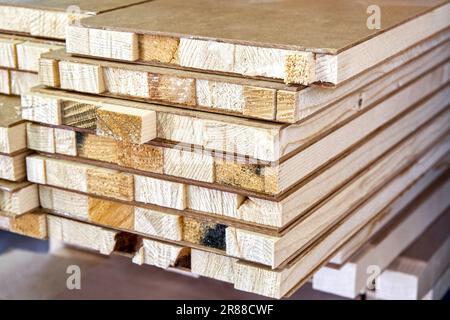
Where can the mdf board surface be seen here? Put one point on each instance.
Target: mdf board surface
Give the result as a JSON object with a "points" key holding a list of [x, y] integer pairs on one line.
{"points": [[262, 40], [49, 18]]}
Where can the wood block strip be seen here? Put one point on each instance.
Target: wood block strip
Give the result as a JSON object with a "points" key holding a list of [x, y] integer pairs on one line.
{"points": [[126, 124], [40, 138], [67, 174], [160, 254], [112, 214], [49, 72], [99, 148], [29, 53], [36, 171], [5, 81], [172, 89], [157, 48], [160, 192], [65, 142], [41, 109], [214, 201], [189, 165], [112, 44], [13, 138], [81, 234], [142, 157], [259, 103], [220, 95], [154, 223], [79, 114], [212, 265], [13, 168], [22, 82], [110, 183], [30, 224], [8, 53], [205, 233], [62, 201], [81, 77], [19, 201], [126, 82]]}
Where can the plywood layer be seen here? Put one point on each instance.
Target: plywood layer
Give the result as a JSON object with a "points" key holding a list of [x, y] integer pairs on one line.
{"points": [[255, 40]]}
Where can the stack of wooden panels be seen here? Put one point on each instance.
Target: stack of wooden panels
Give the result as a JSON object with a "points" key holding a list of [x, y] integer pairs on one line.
{"points": [[18, 198], [27, 30], [230, 147]]}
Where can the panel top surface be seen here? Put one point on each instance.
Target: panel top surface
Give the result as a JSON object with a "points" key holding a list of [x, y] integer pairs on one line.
{"points": [[327, 26]]}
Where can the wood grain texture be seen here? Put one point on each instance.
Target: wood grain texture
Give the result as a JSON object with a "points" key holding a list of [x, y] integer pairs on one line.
{"points": [[414, 272], [159, 254], [110, 183], [81, 234], [5, 81], [274, 251], [8, 53], [13, 138], [65, 142], [22, 82], [126, 124], [212, 265], [160, 192], [41, 109], [280, 282], [154, 223], [13, 168], [385, 247], [40, 138], [19, 201], [81, 77], [29, 53]]}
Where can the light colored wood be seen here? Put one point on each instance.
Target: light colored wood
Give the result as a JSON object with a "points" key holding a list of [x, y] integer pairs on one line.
{"points": [[125, 82], [126, 124], [212, 265], [364, 235], [13, 167], [31, 224], [274, 251], [8, 53], [13, 139], [159, 254], [28, 54], [351, 279], [213, 201], [110, 183], [67, 174], [81, 234], [36, 171], [160, 192], [19, 201], [411, 275], [280, 282], [40, 138], [41, 109], [65, 142], [220, 132], [189, 165], [232, 45], [81, 77], [5, 81], [49, 72], [62, 202], [116, 215], [154, 223], [22, 82]]}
